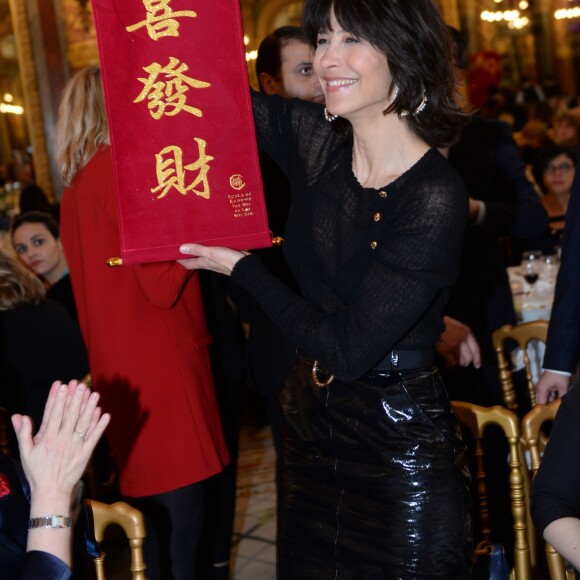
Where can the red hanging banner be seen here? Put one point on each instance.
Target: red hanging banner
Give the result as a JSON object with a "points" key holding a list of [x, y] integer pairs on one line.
{"points": [[182, 135]]}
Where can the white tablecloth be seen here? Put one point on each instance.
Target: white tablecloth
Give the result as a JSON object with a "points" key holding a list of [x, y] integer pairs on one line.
{"points": [[532, 304]]}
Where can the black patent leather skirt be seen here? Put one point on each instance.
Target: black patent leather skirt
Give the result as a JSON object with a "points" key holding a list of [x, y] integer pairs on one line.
{"points": [[374, 480]]}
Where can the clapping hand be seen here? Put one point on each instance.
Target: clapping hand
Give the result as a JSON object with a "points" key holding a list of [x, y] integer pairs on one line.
{"points": [[56, 458]]}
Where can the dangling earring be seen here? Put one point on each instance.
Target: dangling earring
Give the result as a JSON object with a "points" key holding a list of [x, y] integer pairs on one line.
{"points": [[422, 104], [415, 113], [395, 94], [329, 116]]}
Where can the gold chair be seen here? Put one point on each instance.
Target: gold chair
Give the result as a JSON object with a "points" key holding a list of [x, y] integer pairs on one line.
{"points": [[87, 380], [522, 334], [476, 419], [532, 432], [131, 521]]}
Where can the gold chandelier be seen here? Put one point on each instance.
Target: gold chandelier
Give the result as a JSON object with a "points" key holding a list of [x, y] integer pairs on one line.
{"points": [[515, 18]]}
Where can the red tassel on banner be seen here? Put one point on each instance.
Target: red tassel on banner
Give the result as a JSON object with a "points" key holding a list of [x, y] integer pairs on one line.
{"points": [[182, 134]]}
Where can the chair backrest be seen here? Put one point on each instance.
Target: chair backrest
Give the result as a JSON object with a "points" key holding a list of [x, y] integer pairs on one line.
{"points": [[532, 430], [87, 380], [131, 521], [522, 334], [532, 433], [476, 419]]}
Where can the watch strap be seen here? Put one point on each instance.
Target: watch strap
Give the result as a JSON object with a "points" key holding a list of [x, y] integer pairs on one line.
{"points": [[53, 521]]}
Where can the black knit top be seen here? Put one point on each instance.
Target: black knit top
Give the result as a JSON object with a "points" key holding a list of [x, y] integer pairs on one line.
{"points": [[373, 266]]}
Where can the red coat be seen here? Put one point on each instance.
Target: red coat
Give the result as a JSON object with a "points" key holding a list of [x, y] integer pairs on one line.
{"points": [[147, 340]]}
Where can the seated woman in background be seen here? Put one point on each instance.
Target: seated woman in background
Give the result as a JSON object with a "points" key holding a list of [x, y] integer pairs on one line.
{"points": [[32, 546], [554, 169], [36, 239], [39, 342], [567, 130]]}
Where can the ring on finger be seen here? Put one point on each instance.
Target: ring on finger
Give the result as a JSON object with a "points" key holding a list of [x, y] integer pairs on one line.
{"points": [[80, 434]]}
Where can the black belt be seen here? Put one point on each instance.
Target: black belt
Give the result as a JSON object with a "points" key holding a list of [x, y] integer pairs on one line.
{"points": [[396, 360], [403, 360]]}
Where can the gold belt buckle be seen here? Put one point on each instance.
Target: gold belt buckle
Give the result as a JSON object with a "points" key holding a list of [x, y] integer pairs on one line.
{"points": [[317, 382]]}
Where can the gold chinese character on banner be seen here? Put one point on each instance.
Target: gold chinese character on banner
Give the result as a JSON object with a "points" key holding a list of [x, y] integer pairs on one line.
{"points": [[167, 95], [161, 20], [172, 174]]}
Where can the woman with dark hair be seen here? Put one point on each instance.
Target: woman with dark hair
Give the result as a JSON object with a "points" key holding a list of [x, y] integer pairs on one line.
{"points": [[374, 483], [36, 240], [554, 169]]}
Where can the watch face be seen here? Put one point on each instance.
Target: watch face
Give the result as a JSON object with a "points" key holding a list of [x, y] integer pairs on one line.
{"points": [[57, 521]]}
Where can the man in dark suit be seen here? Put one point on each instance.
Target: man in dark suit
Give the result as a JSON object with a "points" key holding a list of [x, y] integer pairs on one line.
{"points": [[502, 203], [563, 344]]}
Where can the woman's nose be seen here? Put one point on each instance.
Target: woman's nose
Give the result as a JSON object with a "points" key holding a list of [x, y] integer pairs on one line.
{"points": [[330, 56]]}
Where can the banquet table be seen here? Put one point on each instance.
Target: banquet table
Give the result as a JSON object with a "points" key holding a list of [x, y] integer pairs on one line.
{"points": [[532, 303]]}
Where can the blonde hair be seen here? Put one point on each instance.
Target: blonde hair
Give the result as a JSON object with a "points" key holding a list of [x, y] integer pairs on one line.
{"points": [[82, 126], [18, 286]]}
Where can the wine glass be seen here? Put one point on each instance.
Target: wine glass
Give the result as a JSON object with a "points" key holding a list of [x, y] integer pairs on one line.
{"points": [[531, 273], [531, 255], [550, 267]]}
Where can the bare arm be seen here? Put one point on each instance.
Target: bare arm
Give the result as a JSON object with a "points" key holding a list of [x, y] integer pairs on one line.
{"points": [[55, 460], [564, 536]]}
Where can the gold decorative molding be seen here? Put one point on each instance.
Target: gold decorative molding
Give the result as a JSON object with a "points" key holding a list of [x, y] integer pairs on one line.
{"points": [[265, 21], [32, 103], [80, 34], [450, 11]]}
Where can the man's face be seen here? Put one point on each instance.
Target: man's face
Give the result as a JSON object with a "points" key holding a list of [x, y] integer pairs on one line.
{"points": [[298, 78]]}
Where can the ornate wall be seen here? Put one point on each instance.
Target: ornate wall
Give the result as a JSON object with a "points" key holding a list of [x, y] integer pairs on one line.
{"points": [[56, 37]]}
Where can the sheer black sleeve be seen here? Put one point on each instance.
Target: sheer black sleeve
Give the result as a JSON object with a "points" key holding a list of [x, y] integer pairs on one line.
{"points": [[296, 135], [399, 295]]}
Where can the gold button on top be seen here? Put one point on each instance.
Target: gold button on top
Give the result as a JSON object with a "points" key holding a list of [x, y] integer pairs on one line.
{"points": [[374, 245], [377, 217], [383, 193]]}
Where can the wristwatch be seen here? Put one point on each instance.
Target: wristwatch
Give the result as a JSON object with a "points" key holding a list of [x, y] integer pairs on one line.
{"points": [[53, 521]]}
